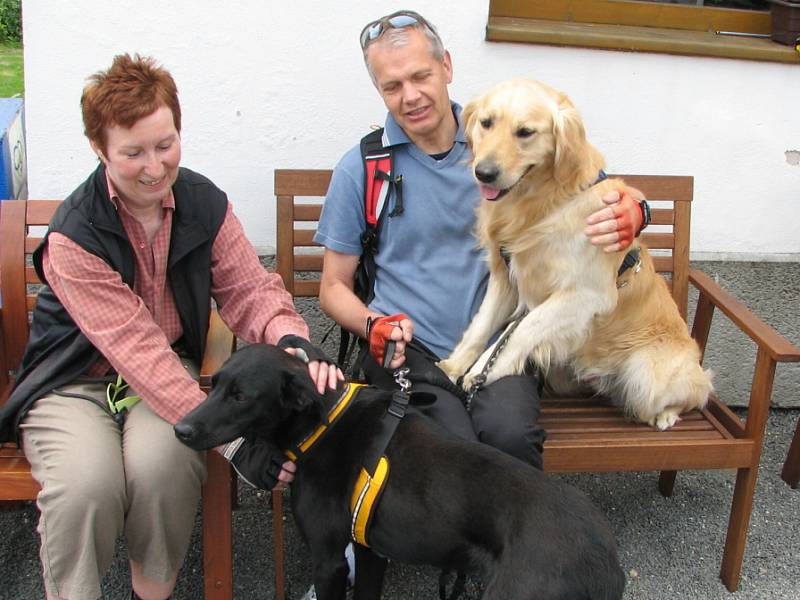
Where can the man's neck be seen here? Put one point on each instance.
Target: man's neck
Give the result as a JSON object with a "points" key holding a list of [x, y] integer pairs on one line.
{"points": [[440, 140]]}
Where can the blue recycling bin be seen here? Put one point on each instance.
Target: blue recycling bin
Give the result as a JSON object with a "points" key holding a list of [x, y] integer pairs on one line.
{"points": [[13, 165]]}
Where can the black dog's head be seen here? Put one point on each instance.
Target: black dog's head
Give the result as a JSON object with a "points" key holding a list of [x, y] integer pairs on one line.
{"points": [[254, 392]]}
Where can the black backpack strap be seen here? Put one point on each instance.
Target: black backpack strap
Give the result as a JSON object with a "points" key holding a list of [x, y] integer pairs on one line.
{"points": [[381, 187]]}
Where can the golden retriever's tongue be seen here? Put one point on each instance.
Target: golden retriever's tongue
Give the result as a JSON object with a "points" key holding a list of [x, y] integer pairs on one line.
{"points": [[489, 192]]}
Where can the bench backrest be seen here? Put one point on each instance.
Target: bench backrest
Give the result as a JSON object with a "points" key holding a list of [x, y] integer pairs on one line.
{"points": [[18, 279], [299, 201]]}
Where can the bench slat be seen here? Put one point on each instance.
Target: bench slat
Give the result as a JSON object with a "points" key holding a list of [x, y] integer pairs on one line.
{"points": [[307, 262], [658, 241], [304, 237], [306, 287], [307, 212]]}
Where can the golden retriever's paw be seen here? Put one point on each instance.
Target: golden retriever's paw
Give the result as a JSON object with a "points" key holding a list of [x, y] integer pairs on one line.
{"points": [[665, 419], [451, 368], [476, 375], [507, 363], [470, 379]]}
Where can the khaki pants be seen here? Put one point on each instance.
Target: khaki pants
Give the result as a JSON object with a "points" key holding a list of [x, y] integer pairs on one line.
{"points": [[99, 481]]}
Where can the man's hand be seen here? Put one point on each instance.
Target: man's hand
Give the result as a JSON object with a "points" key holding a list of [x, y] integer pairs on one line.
{"points": [[322, 370], [259, 463], [615, 226], [397, 328]]}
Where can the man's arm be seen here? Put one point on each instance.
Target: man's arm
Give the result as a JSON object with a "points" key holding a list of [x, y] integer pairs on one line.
{"points": [[336, 295], [339, 301]]}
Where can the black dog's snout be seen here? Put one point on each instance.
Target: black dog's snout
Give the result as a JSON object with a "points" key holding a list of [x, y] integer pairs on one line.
{"points": [[185, 432], [487, 171]]}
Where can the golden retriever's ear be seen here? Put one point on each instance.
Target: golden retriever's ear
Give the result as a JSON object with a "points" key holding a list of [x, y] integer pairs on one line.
{"points": [[570, 137], [468, 120]]}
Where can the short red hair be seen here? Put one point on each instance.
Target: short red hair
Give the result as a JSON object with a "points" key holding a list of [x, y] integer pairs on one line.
{"points": [[134, 87]]}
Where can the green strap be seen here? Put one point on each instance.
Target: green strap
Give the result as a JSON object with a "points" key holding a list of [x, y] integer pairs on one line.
{"points": [[115, 395]]}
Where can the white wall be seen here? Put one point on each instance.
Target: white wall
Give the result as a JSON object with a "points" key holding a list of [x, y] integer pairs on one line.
{"points": [[268, 83]]}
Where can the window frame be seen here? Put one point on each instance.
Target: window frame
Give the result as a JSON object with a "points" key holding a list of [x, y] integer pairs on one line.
{"points": [[638, 26]]}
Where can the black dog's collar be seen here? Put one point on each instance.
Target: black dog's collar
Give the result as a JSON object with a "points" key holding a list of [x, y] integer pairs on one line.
{"points": [[297, 451]]}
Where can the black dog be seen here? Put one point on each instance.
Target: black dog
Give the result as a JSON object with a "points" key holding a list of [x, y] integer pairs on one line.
{"points": [[458, 505]]}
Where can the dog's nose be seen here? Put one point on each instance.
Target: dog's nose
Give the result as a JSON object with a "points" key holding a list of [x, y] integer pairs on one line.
{"points": [[184, 432], [486, 171]]}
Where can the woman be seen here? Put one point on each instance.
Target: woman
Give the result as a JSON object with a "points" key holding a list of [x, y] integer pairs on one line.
{"points": [[132, 260]]}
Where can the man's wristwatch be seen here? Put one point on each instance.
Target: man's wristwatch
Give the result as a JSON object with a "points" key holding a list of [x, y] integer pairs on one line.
{"points": [[645, 208]]}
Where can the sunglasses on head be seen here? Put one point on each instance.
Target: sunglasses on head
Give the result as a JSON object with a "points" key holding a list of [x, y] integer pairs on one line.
{"points": [[404, 18]]}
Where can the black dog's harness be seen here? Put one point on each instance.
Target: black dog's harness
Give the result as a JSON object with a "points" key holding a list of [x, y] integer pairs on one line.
{"points": [[375, 470], [373, 476]]}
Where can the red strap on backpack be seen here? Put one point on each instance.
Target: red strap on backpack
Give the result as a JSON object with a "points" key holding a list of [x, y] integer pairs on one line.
{"points": [[376, 186]]}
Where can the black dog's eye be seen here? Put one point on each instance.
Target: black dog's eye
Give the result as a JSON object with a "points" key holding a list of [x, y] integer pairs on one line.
{"points": [[487, 123], [236, 395], [524, 132]]}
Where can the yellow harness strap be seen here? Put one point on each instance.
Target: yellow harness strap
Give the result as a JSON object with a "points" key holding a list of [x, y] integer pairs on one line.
{"points": [[366, 492], [347, 395]]}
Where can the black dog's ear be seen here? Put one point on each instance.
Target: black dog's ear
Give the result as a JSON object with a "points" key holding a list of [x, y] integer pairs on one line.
{"points": [[299, 391]]}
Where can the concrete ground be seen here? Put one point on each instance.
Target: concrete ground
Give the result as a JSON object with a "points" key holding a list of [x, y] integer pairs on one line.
{"points": [[670, 548]]}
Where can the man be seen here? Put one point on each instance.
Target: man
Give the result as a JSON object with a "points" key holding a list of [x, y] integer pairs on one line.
{"points": [[430, 277]]}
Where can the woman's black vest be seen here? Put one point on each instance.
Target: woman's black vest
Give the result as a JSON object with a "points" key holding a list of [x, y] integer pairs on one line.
{"points": [[57, 351]]}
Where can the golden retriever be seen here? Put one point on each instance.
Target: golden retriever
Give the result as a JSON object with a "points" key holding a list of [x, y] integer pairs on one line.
{"points": [[621, 335]]}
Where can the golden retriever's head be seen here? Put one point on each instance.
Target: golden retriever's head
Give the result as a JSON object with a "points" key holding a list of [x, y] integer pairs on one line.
{"points": [[523, 133]]}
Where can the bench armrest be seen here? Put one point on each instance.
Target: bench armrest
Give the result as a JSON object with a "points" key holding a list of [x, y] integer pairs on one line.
{"points": [[220, 343], [772, 349], [714, 295]]}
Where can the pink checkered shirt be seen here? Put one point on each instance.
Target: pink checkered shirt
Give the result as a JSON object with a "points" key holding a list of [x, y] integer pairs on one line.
{"points": [[133, 329]]}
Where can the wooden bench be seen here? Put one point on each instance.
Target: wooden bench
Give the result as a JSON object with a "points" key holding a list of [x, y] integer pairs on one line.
{"points": [[587, 434], [18, 282]]}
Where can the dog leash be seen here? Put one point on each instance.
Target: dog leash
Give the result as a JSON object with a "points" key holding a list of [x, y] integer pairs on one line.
{"points": [[480, 379]]}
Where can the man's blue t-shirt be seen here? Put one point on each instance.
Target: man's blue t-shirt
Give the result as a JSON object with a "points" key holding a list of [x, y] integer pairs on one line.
{"points": [[428, 264]]}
